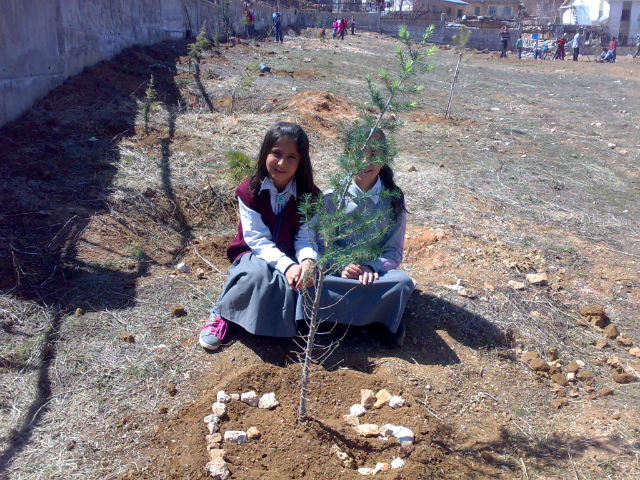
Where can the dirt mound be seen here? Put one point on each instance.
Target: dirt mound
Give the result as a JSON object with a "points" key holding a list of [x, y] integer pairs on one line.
{"points": [[320, 111], [289, 450]]}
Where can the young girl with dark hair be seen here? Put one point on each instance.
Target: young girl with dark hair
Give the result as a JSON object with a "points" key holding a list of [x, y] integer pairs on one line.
{"points": [[375, 292], [272, 250]]}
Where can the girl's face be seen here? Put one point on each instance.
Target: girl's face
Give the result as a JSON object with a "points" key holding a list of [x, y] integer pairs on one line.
{"points": [[282, 162], [367, 179]]}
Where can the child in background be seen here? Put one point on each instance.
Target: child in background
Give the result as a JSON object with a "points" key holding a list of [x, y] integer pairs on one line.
{"points": [[272, 251], [336, 25], [519, 47], [375, 292]]}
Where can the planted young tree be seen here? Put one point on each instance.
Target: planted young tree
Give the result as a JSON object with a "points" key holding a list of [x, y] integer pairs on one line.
{"points": [[151, 100], [199, 46], [460, 42], [330, 226]]}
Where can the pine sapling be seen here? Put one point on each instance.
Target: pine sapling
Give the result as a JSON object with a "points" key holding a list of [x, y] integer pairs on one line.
{"points": [[151, 97], [460, 42], [199, 46], [336, 223]]}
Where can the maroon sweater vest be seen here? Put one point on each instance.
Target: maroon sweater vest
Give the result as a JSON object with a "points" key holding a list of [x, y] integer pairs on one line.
{"points": [[282, 230]]}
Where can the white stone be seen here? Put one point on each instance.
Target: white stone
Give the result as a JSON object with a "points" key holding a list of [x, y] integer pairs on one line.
{"points": [[396, 402], [223, 397], [357, 410], [183, 267], [571, 377], [213, 428], [268, 401], [219, 409], [397, 463], [381, 467], [218, 470], [235, 396], [365, 471], [235, 436], [580, 363], [211, 418], [367, 430], [403, 434], [250, 398]]}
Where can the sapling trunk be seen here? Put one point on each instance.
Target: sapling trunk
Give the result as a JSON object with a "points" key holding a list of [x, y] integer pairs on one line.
{"points": [[308, 351], [447, 113]]}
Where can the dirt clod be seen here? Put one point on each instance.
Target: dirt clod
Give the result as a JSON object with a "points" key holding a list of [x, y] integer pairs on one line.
{"points": [[585, 375], [178, 311], [611, 332], [553, 354], [602, 343], [539, 365], [79, 312], [604, 392], [560, 379], [127, 337], [573, 367], [624, 378], [593, 311], [558, 403]]}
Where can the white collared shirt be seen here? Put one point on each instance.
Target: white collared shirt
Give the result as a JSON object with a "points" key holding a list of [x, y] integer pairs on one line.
{"points": [[259, 238]]}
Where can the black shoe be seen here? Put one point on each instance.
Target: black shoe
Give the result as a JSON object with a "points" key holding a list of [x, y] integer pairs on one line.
{"points": [[397, 339]]}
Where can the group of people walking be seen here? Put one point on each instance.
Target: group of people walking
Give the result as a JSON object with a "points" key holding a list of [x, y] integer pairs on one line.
{"points": [[340, 27], [540, 51]]}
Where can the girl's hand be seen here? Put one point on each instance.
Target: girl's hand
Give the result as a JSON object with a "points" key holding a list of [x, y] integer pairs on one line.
{"points": [[307, 277], [293, 276], [352, 271], [368, 275]]}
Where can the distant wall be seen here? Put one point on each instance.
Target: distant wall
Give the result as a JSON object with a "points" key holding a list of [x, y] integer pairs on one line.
{"points": [[480, 38], [43, 42]]}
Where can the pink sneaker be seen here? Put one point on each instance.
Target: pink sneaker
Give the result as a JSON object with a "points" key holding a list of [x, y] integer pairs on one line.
{"points": [[213, 333]]}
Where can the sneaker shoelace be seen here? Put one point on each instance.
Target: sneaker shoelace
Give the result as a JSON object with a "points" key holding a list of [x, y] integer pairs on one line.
{"points": [[217, 327]]}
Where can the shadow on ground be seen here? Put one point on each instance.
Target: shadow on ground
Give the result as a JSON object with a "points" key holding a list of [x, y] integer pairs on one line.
{"points": [[57, 164]]}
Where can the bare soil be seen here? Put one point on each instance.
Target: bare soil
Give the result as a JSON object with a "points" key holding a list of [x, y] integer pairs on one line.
{"points": [[536, 172]]}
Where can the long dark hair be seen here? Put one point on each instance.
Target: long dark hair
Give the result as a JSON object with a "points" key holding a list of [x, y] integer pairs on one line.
{"points": [[304, 173], [386, 176]]}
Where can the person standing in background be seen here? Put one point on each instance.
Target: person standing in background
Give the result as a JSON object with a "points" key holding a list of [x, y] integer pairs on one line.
{"points": [[505, 36], [577, 41], [277, 24], [519, 47]]}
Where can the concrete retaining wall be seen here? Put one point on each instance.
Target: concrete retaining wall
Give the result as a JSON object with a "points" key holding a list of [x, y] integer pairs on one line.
{"points": [[43, 42]]}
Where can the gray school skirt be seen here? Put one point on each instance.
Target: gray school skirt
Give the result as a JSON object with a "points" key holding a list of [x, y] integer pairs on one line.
{"points": [[258, 298], [383, 301]]}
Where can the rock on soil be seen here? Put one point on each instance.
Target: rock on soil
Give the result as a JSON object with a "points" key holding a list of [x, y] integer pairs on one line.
{"points": [[602, 343], [560, 379], [383, 396], [396, 402], [397, 463], [403, 434], [178, 311], [585, 375], [635, 352], [593, 311], [553, 354], [516, 285], [127, 337], [213, 441], [558, 403], [367, 398], [268, 401], [253, 433], [611, 332], [250, 398], [218, 470], [381, 467], [219, 409], [573, 367], [367, 430], [222, 397], [604, 392], [624, 341], [528, 356], [352, 420], [365, 471], [539, 365], [624, 378], [235, 436], [79, 312], [357, 410], [539, 279]]}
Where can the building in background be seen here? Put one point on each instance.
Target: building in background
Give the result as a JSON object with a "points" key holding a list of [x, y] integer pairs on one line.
{"points": [[504, 9]]}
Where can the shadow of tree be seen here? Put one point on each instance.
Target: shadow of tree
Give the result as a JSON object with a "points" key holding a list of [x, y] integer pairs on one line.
{"points": [[58, 163]]}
